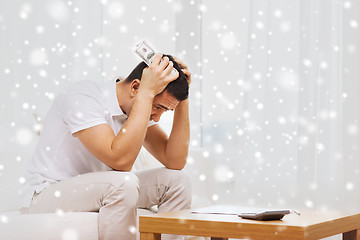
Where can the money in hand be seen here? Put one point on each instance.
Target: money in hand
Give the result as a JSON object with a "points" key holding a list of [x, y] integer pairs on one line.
{"points": [[147, 54]]}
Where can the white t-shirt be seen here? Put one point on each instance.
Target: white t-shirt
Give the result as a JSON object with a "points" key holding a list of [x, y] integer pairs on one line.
{"points": [[59, 155]]}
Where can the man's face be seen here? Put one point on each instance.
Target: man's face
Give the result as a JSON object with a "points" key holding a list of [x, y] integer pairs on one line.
{"points": [[162, 103]]}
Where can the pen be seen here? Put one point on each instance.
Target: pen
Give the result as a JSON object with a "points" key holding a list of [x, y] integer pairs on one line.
{"points": [[296, 211]]}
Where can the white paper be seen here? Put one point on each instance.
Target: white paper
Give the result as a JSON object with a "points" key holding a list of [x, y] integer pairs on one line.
{"points": [[230, 210]]}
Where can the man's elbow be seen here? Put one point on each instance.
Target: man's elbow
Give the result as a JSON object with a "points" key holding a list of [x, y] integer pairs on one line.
{"points": [[178, 165], [121, 168], [122, 164]]}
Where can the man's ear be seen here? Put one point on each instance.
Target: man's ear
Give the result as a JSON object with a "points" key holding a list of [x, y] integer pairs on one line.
{"points": [[134, 87]]}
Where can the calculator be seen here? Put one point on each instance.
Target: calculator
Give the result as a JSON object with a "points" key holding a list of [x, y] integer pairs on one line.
{"points": [[266, 215]]}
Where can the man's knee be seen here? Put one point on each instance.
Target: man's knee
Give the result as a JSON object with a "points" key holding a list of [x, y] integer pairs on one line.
{"points": [[125, 187], [180, 181], [123, 179], [178, 177]]}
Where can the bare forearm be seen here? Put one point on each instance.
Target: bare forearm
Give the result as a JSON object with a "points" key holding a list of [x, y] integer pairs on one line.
{"points": [[178, 143], [129, 140]]}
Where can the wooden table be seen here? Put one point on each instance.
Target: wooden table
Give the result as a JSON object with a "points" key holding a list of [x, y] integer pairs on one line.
{"points": [[310, 225]]}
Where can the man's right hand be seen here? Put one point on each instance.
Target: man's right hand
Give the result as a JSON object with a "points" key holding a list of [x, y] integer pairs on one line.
{"points": [[158, 75]]}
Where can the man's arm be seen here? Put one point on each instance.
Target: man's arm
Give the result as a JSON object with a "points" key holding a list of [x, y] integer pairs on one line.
{"points": [[120, 151], [172, 151]]}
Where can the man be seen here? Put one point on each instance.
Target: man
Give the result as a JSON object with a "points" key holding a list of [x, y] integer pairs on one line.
{"points": [[91, 138]]}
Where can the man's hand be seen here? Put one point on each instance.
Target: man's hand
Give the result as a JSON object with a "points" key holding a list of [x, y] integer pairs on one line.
{"points": [[158, 75], [185, 69]]}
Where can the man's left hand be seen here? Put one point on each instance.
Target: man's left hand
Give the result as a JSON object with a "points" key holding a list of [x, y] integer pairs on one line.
{"points": [[185, 69]]}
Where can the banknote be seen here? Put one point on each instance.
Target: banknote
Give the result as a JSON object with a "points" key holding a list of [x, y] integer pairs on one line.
{"points": [[147, 53]]}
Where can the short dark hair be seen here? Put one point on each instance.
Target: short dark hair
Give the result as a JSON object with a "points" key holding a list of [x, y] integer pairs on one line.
{"points": [[179, 88]]}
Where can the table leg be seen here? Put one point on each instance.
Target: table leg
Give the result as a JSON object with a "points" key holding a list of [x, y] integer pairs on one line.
{"points": [[352, 235], [150, 236], [214, 238]]}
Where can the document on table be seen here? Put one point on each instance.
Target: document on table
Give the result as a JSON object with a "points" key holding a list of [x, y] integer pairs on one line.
{"points": [[231, 210], [224, 209]]}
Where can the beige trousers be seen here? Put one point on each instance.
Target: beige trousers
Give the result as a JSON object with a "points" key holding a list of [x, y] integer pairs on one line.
{"points": [[116, 196]]}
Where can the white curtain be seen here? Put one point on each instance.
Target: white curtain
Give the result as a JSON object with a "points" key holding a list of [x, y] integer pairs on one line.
{"points": [[300, 123]]}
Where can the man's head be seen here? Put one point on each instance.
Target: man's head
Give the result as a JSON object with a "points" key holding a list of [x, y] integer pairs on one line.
{"points": [[179, 88]]}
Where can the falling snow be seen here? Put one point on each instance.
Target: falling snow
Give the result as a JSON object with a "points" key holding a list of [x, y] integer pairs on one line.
{"points": [[58, 11], [4, 219], [57, 194], [270, 107], [115, 10]]}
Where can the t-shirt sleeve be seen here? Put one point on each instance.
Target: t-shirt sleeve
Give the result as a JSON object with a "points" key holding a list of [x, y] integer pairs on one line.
{"points": [[81, 111]]}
